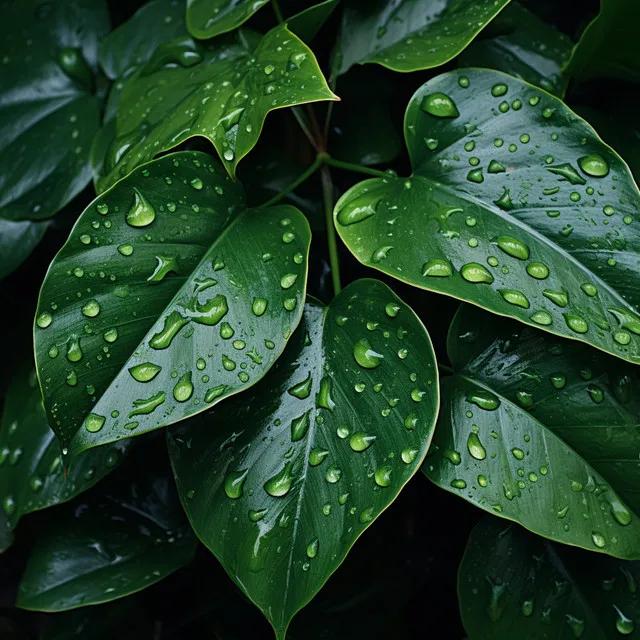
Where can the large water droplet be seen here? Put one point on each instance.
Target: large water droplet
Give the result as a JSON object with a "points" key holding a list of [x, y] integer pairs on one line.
{"points": [[475, 447], [184, 388], [210, 312], [299, 427], [437, 268], [594, 165], [476, 273], [513, 247], [514, 297], [365, 356], [440, 105], [172, 325], [145, 372], [234, 483], [280, 484], [94, 422], [141, 213], [361, 441]]}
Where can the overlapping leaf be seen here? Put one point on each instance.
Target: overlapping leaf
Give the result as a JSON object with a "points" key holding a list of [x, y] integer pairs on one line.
{"points": [[515, 205], [309, 21], [48, 110], [279, 483], [209, 18], [408, 35], [168, 296], [510, 580], [17, 240], [541, 431]]}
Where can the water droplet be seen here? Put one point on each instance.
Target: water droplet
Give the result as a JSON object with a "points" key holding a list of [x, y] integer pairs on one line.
{"points": [[598, 539], [144, 406], [559, 298], [439, 105], [94, 422], [482, 481], [184, 388], [312, 549], [259, 306], [125, 249], [568, 173], [208, 313], [299, 427], [475, 175], [74, 350], [361, 441], [576, 323], [280, 484], [302, 390], [392, 309], [351, 214], [365, 356], [458, 483], [437, 268], [44, 320], [513, 247], [514, 297], [498, 90], [476, 273], [234, 483], [538, 270], [475, 447], [317, 456], [172, 325], [333, 474], [518, 454], [594, 165], [196, 183], [625, 626], [214, 393], [141, 213], [382, 476], [484, 399], [288, 280], [409, 455], [145, 372]]}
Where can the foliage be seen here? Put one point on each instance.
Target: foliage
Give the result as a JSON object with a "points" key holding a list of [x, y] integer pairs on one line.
{"points": [[223, 404]]}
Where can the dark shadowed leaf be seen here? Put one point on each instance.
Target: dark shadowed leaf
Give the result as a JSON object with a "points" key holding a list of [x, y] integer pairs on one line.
{"points": [[308, 22], [168, 296], [17, 240], [511, 580], [281, 482], [541, 431], [48, 113], [208, 18], [515, 205]]}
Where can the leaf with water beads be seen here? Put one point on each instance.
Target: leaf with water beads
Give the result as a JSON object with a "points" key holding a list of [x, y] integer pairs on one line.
{"points": [[209, 18], [557, 229], [168, 296], [298, 467], [541, 431]]}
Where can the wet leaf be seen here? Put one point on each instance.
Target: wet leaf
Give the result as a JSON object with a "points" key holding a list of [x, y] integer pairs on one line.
{"points": [[48, 110], [109, 547], [408, 35], [515, 205], [17, 241], [209, 18], [541, 431], [510, 579], [168, 296], [525, 47], [295, 470]]}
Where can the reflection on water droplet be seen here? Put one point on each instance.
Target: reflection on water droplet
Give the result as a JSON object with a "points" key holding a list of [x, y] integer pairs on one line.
{"points": [[439, 105], [280, 484], [141, 214], [365, 356], [234, 483], [94, 422], [594, 165]]}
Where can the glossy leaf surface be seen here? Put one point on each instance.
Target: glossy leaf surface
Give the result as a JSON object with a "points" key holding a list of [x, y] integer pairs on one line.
{"points": [[33, 472], [510, 579], [280, 482], [209, 18], [17, 240], [48, 113], [168, 296], [607, 48], [541, 431], [308, 22], [408, 35], [175, 97], [525, 47], [109, 547], [515, 205]]}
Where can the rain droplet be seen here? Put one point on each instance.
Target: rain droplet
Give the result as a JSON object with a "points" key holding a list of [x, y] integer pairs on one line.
{"points": [[439, 105]]}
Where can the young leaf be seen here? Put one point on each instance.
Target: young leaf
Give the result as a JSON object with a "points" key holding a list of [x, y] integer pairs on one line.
{"points": [[525, 47], [174, 97], [541, 431], [33, 473], [308, 22], [510, 580], [48, 113], [209, 18], [515, 205], [293, 472], [108, 548], [607, 47], [17, 241], [409, 35], [168, 296]]}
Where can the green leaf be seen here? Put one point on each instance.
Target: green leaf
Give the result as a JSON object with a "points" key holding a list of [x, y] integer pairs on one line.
{"points": [[173, 98], [515, 205], [607, 48], [524, 47], [110, 547], [48, 113], [294, 471], [17, 241], [168, 296], [308, 22], [511, 580], [33, 472], [409, 35], [209, 18], [541, 431]]}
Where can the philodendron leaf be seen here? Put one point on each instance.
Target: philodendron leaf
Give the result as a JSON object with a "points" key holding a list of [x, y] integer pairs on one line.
{"points": [[48, 113], [525, 47], [515, 205], [33, 472], [168, 296], [607, 47], [280, 483], [510, 579], [408, 35], [108, 547], [17, 240], [221, 90], [541, 431], [208, 18]]}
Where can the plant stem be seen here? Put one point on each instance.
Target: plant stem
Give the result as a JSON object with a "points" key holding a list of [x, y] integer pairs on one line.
{"points": [[358, 168], [307, 173], [299, 116], [445, 368], [277, 11], [327, 197]]}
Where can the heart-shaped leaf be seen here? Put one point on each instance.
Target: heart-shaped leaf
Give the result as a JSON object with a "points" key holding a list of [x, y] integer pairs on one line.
{"points": [[607, 48], [280, 483], [408, 35], [511, 580], [515, 205], [209, 18], [17, 241], [113, 545], [168, 296], [48, 113], [541, 431], [525, 47], [221, 90], [33, 472]]}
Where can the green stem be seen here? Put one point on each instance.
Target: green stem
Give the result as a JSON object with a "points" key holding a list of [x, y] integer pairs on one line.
{"points": [[299, 116], [327, 197], [445, 368], [307, 173], [358, 168], [277, 11]]}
